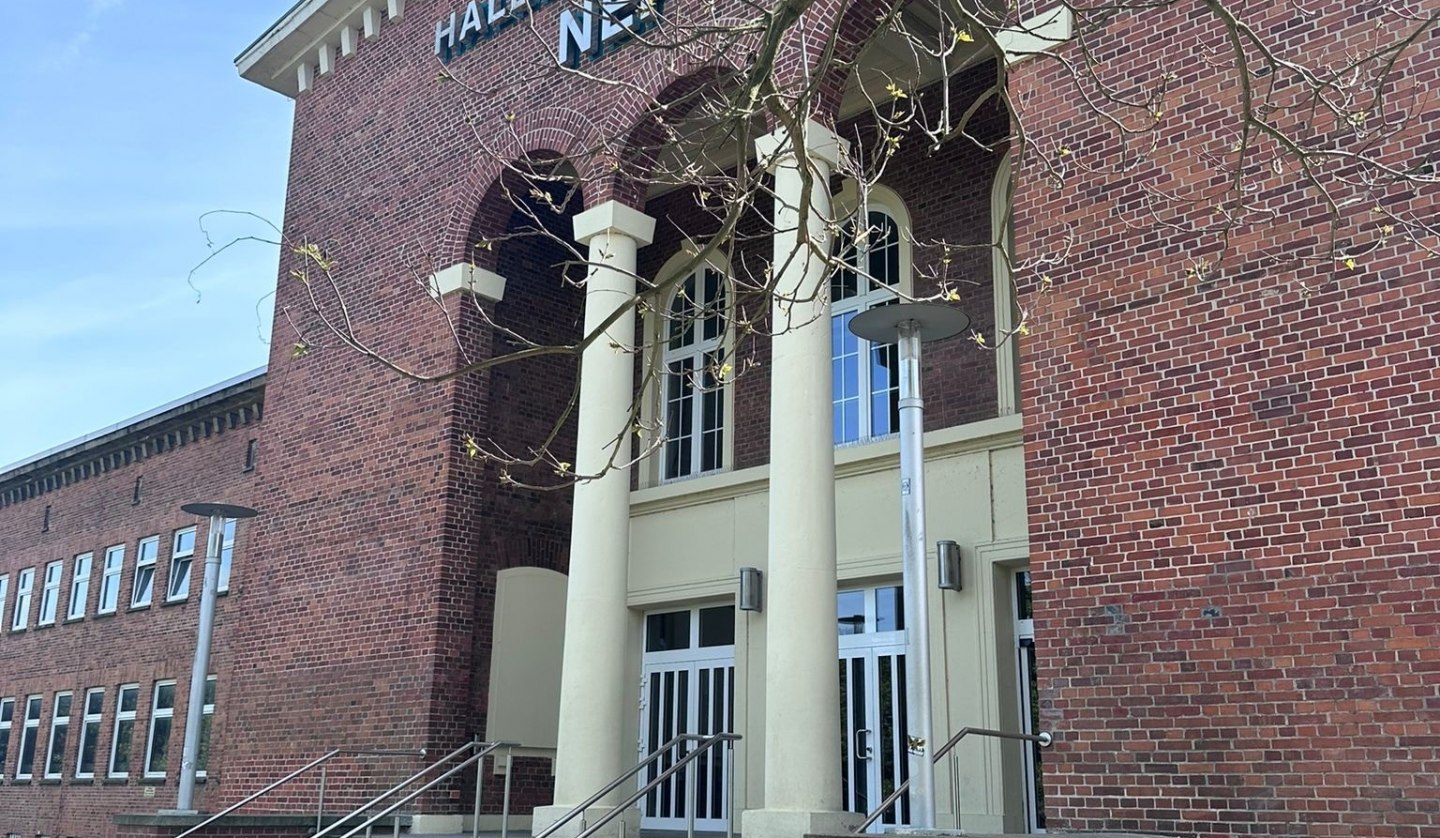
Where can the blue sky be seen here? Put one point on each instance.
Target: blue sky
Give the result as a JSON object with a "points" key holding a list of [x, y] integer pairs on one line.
{"points": [[121, 121]]}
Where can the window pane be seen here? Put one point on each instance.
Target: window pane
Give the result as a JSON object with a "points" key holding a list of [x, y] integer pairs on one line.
{"points": [[124, 733], [159, 745], [129, 700], [664, 632], [202, 759], [889, 609], [27, 752], [165, 697], [850, 612], [717, 626], [89, 742], [1023, 604], [57, 749]]}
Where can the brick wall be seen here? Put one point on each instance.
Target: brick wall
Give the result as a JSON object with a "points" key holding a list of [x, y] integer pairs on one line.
{"points": [[1231, 511]]}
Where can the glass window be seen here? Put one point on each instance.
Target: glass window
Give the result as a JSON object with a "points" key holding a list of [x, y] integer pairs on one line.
{"points": [[80, 586], [125, 708], [207, 713], [227, 554], [28, 737], [59, 733], [182, 556], [110, 579], [90, 733], [145, 556], [667, 632], [4, 592], [50, 593], [850, 612], [865, 376], [162, 714], [694, 393], [7, 720], [24, 589], [1024, 607], [717, 626], [889, 609]]}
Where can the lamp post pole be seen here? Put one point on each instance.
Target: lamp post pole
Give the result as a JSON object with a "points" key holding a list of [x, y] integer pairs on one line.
{"points": [[215, 537], [913, 324]]}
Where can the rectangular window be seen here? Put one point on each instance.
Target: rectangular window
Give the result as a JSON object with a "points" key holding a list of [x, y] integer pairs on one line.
{"points": [[90, 733], [125, 706], [50, 594], [182, 556], [80, 586], [24, 588], [162, 714], [7, 720], [59, 734], [227, 554], [145, 557], [110, 579], [25, 769], [4, 592], [207, 712]]}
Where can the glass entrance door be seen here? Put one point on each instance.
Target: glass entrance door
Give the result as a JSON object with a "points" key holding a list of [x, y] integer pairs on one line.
{"points": [[873, 743]]}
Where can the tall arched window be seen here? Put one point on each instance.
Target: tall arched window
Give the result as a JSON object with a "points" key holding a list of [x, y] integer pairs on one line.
{"points": [[865, 375], [694, 396]]}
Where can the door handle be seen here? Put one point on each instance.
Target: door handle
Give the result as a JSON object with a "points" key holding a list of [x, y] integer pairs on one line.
{"points": [[862, 743]]}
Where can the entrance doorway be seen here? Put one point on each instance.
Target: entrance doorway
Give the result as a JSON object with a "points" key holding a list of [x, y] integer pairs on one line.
{"points": [[1029, 701], [873, 743], [688, 687]]}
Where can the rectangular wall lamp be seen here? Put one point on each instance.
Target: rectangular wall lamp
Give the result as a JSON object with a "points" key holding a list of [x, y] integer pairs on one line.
{"points": [[947, 555], [751, 595]]}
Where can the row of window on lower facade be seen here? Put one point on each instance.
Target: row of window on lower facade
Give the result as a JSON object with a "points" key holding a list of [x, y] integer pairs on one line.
{"points": [[142, 589], [90, 757]]}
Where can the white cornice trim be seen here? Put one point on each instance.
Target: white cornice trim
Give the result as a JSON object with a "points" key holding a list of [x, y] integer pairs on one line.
{"points": [[466, 277]]}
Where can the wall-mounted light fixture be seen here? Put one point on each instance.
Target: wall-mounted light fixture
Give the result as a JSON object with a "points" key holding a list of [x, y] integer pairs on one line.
{"points": [[751, 595], [947, 555]]}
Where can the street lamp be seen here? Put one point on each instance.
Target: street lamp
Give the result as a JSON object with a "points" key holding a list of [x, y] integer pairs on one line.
{"points": [[189, 755], [912, 324]]}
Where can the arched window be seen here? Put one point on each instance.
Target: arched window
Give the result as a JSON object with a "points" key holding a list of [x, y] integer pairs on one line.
{"points": [[865, 375], [693, 398]]}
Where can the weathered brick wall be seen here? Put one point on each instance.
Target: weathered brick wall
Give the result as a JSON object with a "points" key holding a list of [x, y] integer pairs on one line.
{"points": [[1231, 512], [139, 646]]}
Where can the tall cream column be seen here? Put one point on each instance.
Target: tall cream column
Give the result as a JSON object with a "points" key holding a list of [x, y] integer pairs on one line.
{"points": [[595, 695], [802, 718]]}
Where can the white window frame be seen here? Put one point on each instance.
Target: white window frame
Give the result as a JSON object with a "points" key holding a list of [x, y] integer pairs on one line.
{"points": [[80, 586], [7, 722], [110, 579], [24, 591], [207, 726], [4, 592], [90, 732], [59, 728], [227, 554], [700, 382], [31, 732], [182, 562], [147, 553], [882, 200], [122, 716], [157, 713], [50, 593]]}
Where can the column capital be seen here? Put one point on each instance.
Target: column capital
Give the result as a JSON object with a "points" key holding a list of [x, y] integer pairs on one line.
{"points": [[468, 278], [819, 141], [614, 217]]}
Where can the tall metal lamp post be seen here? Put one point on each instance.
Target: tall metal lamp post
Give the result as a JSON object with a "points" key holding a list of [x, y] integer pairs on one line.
{"points": [[913, 324], [190, 754]]}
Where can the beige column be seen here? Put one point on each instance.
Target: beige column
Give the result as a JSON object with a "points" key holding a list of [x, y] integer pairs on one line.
{"points": [[595, 694], [802, 719]]}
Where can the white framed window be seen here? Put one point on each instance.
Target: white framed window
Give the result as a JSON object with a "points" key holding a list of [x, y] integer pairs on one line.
{"points": [[24, 589], [693, 391], [126, 703], [207, 714], [182, 557], [4, 592], [59, 734], [227, 554], [145, 556], [90, 733], [110, 579], [50, 593], [29, 736], [7, 721], [80, 586], [866, 376], [162, 717]]}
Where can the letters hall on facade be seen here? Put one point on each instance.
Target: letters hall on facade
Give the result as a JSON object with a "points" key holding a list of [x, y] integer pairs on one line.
{"points": [[1196, 521]]}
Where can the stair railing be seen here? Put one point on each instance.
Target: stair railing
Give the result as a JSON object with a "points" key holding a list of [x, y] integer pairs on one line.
{"points": [[321, 762], [478, 751], [1043, 739], [702, 744]]}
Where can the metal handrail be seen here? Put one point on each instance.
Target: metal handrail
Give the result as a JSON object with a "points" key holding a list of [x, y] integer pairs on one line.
{"points": [[703, 744], [478, 756], [320, 761], [1043, 739]]}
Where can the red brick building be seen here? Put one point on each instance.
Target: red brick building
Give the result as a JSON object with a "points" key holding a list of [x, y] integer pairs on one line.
{"points": [[1193, 494]]}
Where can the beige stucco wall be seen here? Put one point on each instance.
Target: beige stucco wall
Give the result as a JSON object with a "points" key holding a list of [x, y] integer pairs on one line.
{"points": [[689, 539]]}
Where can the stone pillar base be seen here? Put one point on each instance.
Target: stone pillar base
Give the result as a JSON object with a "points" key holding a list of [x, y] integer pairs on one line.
{"points": [[625, 825], [781, 823]]}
